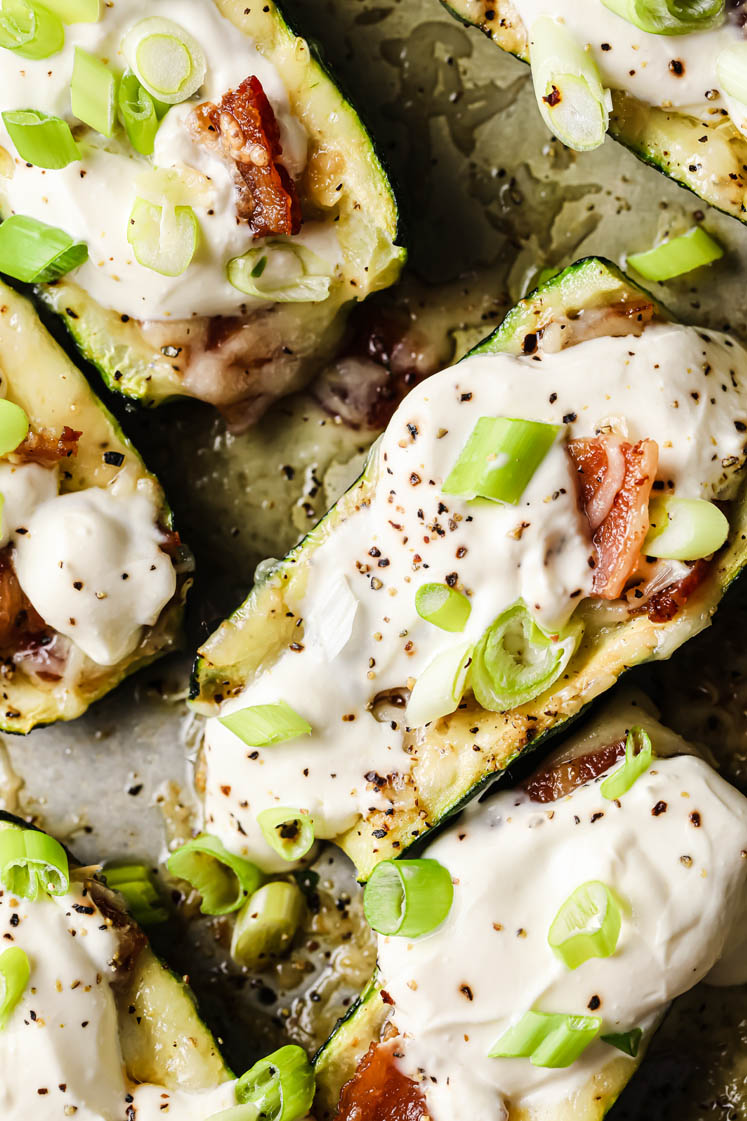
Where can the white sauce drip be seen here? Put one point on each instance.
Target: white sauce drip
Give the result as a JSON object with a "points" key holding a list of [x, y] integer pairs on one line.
{"points": [[23, 486], [514, 863], [91, 199], [385, 551]]}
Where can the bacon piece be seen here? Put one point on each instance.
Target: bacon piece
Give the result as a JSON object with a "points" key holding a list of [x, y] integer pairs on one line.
{"points": [[378, 1091], [47, 448], [18, 619], [620, 533], [665, 604], [248, 132], [559, 779]]}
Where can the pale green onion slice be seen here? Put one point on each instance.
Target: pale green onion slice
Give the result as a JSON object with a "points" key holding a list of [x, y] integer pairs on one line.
{"points": [[169, 62], [164, 238], [515, 660], [289, 832], [14, 426], [260, 725], [281, 272], [15, 971], [223, 880], [587, 925], [731, 69], [409, 898], [75, 11], [266, 924], [547, 1039], [500, 457], [443, 606], [629, 1042], [138, 114], [684, 529], [137, 887], [636, 763], [93, 92], [175, 186], [329, 624], [678, 255], [35, 253], [32, 863], [568, 86], [281, 1086], [439, 688], [669, 17], [30, 30], [41, 140]]}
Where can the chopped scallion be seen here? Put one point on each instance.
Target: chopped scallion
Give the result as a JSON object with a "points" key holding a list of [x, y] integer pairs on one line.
{"points": [[15, 971], [75, 11], [409, 898], [30, 30], [731, 70], [41, 140], [138, 114], [636, 763], [93, 92], [678, 255], [223, 880], [260, 725], [669, 17], [629, 1042], [329, 624], [168, 61], [439, 688], [568, 86], [164, 238], [281, 1086], [266, 924], [283, 272], [547, 1039], [443, 606], [289, 832], [136, 885], [14, 426], [500, 457], [684, 529], [35, 253], [587, 925], [32, 863]]}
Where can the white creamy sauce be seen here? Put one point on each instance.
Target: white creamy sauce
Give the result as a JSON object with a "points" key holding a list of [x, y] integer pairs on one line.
{"points": [[682, 387], [59, 1052], [90, 562], [23, 487], [644, 64], [514, 863], [91, 199]]}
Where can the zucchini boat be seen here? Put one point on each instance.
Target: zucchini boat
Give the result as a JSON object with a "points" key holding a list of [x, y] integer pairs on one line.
{"points": [[92, 575], [217, 232], [407, 650], [579, 905], [670, 101]]}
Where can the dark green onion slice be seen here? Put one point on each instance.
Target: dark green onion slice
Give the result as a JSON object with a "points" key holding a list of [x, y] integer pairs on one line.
{"points": [[260, 725], [638, 758], [678, 255], [30, 30], [267, 923], [684, 528], [515, 660], [32, 863], [408, 897], [35, 253], [443, 606], [15, 971], [75, 11], [499, 458], [14, 426], [440, 687], [41, 140], [282, 1085], [93, 92], [568, 85], [163, 238], [136, 885], [137, 112], [223, 880], [288, 831], [168, 61], [669, 17], [547, 1039], [587, 925], [629, 1042]]}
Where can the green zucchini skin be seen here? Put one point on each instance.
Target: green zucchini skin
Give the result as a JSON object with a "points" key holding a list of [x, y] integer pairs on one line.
{"points": [[258, 628], [663, 139]]}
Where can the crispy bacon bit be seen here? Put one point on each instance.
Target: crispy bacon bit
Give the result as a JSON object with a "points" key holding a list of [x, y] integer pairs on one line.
{"points": [[18, 619], [246, 128], [559, 779], [378, 1091], [47, 448], [620, 522], [665, 604]]}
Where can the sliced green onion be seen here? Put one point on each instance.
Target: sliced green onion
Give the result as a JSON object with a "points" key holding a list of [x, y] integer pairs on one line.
{"points": [[168, 61], [260, 725], [634, 765], [500, 457], [684, 529], [330, 622], [568, 86], [15, 971], [515, 660], [223, 880], [281, 272], [288, 832], [136, 885], [138, 114], [32, 863], [677, 255], [443, 606], [629, 1042], [164, 238], [587, 925], [439, 688], [75, 11], [30, 30], [282, 1086], [408, 897], [14, 426], [93, 92], [35, 253], [41, 140], [175, 186], [547, 1039], [266, 924], [731, 69], [669, 17]]}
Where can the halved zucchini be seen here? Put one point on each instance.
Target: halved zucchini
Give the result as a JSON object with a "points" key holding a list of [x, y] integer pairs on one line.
{"points": [[454, 757], [707, 157], [38, 376]]}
